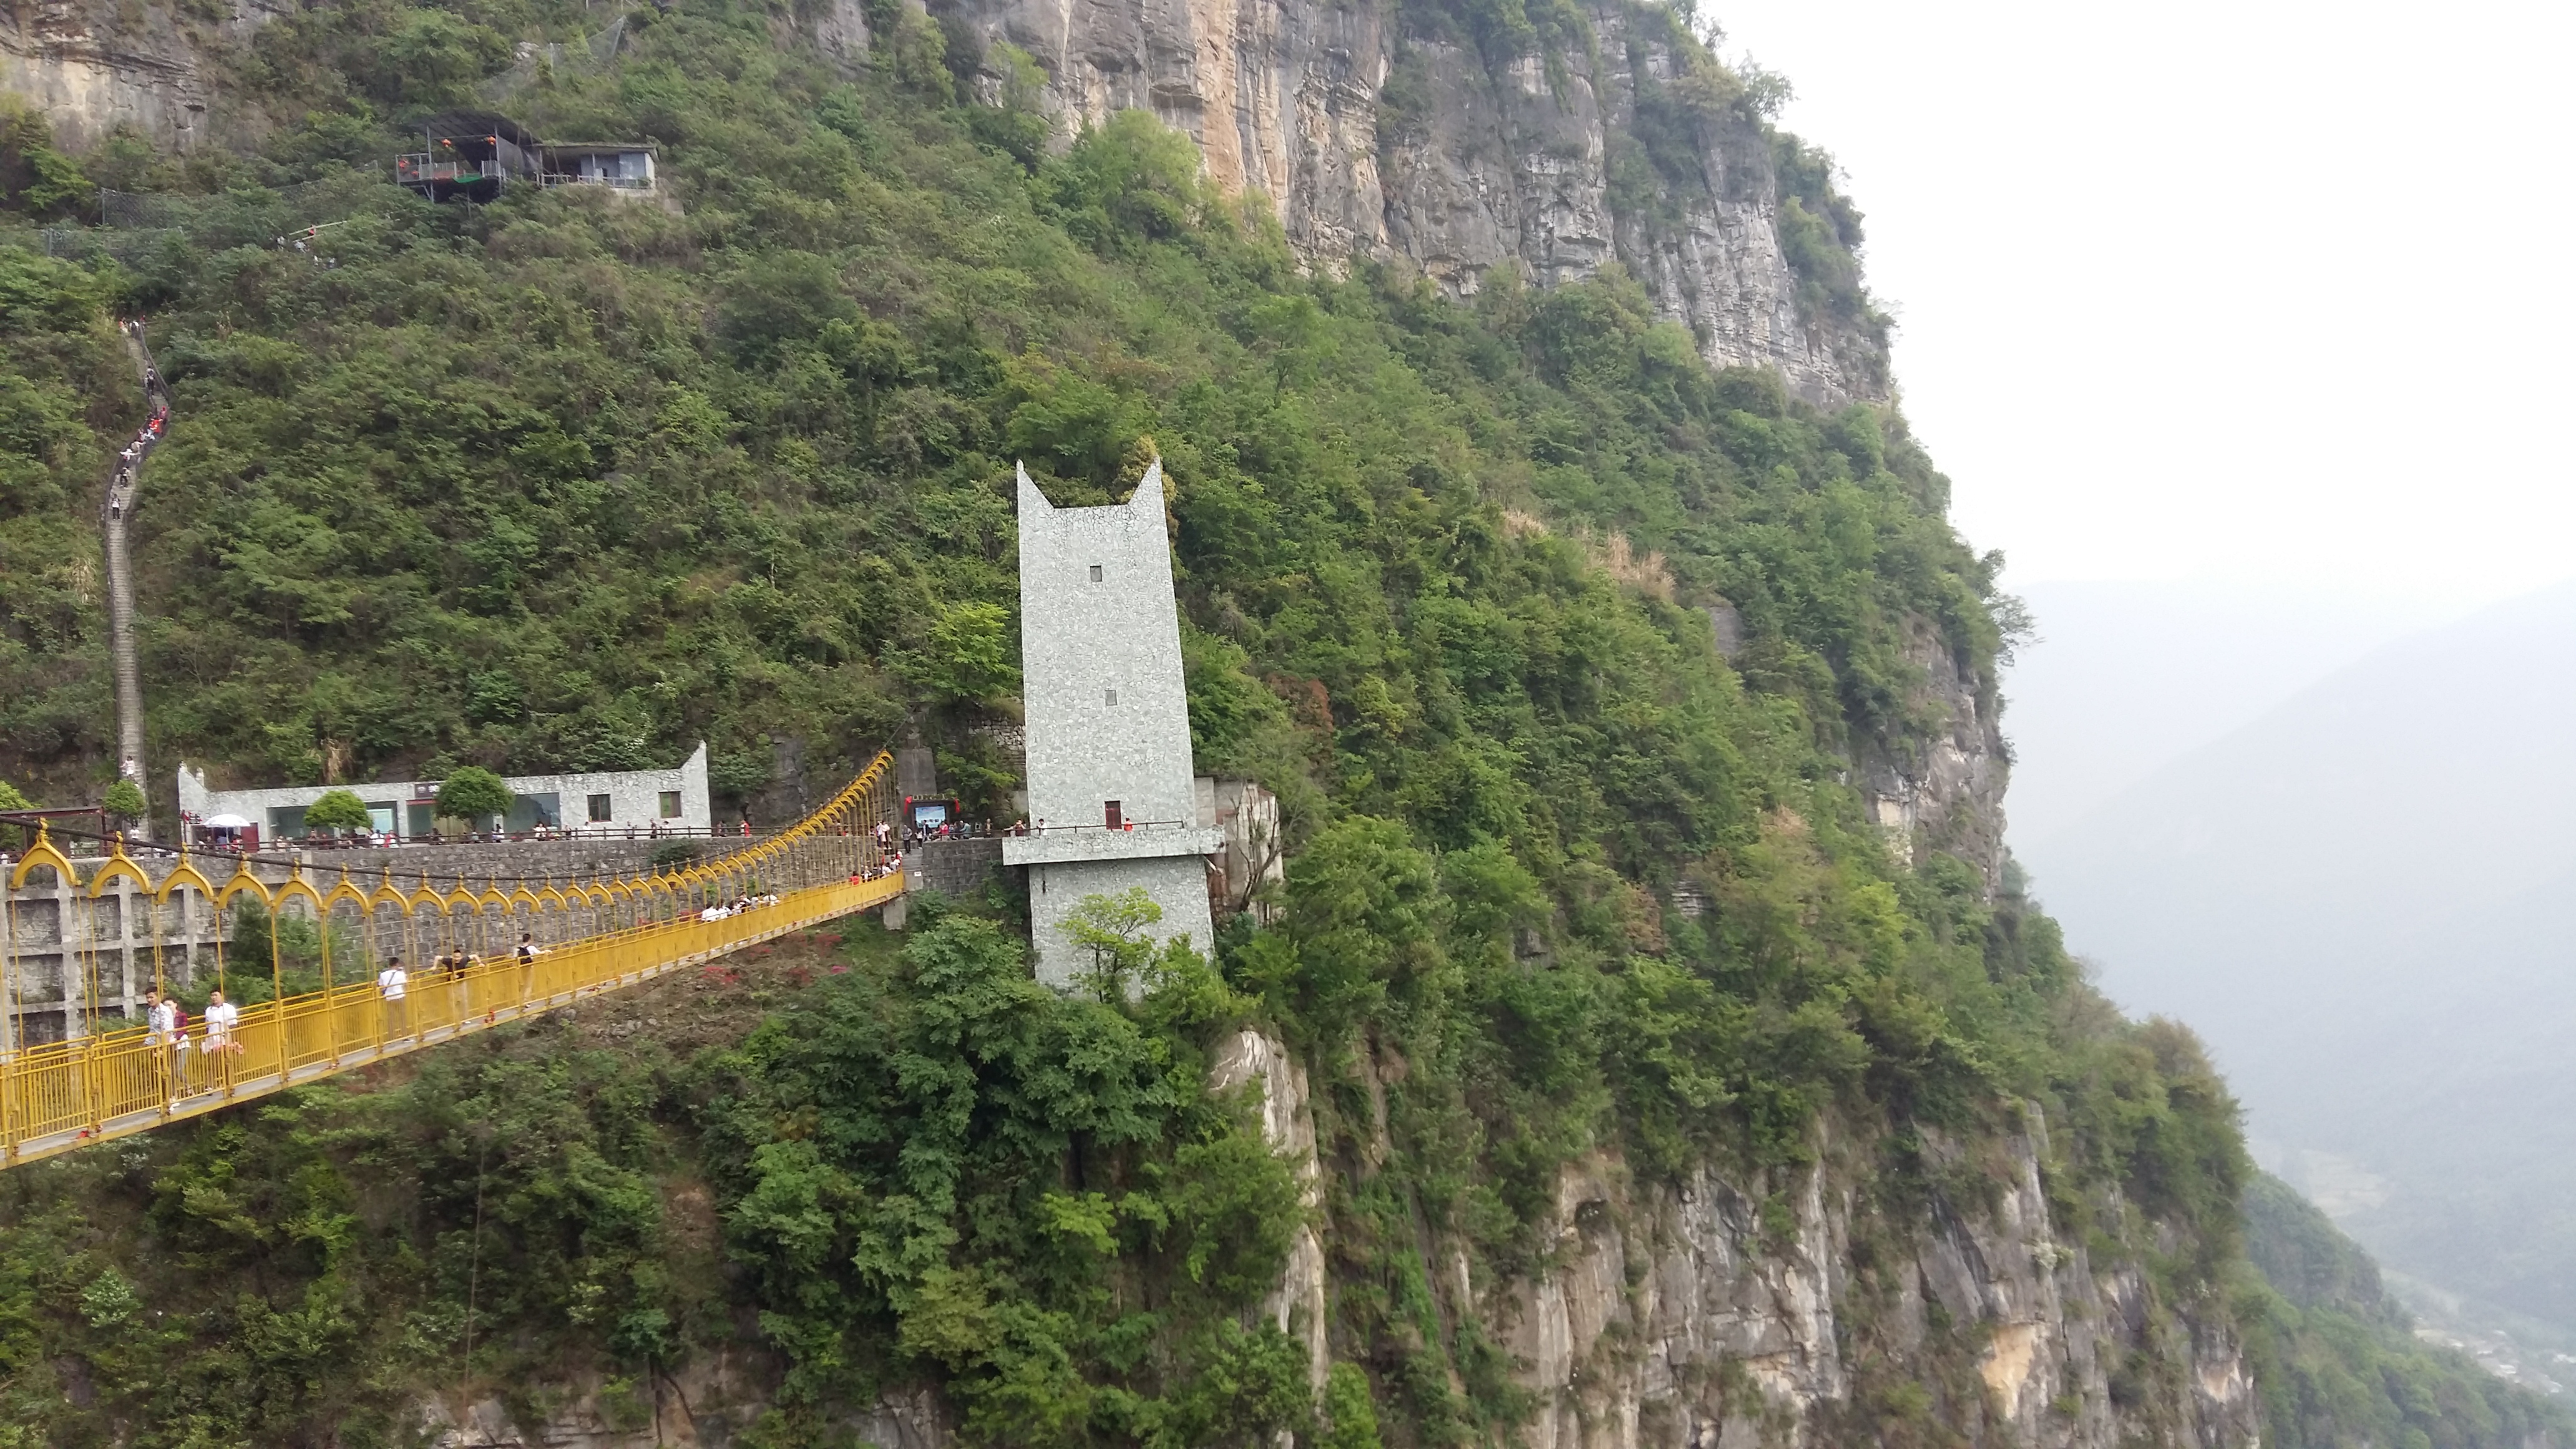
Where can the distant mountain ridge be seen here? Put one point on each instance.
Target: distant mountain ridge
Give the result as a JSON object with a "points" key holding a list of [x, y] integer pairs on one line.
{"points": [[2127, 676], [2357, 900]]}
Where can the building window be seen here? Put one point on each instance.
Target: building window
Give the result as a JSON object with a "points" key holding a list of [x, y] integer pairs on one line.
{"points": [[1116, 817], [599, 809], [670, 804], [1095, 573], [1109, 697]]}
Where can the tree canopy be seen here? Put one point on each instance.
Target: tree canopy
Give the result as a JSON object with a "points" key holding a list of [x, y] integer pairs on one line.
{"points": [[123, 798], [472, 793], [343, 810]]}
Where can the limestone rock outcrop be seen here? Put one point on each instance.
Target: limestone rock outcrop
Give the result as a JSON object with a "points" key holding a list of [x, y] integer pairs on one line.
{"points": [[1371, 142], [1368, 141], [1674, 1316], [1941, 787], [90, 68]]}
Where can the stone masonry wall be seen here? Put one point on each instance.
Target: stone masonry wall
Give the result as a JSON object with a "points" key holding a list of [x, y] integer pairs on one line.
{"points": [[954, 867]]}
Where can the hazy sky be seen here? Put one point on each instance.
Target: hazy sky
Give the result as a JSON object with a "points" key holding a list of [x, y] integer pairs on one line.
{"points": [[2255, 291]]}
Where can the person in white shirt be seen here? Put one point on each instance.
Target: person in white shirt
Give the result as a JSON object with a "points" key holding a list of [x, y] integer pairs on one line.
{"points": [[222, 1020], [160, 1024], [390, 983]]}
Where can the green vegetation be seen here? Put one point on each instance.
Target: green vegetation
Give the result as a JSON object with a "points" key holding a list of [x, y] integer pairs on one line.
{"points": [[124, 799], [340, 810], [12, 836], [2335, 1356], [570, 482], [472, 793], [567, 483], [1112, 929], [1033, 1195], [927, 1163]]}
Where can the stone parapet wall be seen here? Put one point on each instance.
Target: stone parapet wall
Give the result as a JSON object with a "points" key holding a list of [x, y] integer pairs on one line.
{"points": [[954, 867]]}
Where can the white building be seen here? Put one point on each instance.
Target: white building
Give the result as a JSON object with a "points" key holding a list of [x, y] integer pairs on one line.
{"points": [[1108, 723], [674, 799]]}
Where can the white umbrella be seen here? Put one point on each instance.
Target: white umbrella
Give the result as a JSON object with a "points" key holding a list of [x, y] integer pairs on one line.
{"points": [[224, 822]]}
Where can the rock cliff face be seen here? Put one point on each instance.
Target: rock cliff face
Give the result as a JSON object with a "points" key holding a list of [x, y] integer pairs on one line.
{"points": [[90, 68], [1941, 788], [1673, 1316], [1707, 1314], [1373, 142], [1368, 140]]}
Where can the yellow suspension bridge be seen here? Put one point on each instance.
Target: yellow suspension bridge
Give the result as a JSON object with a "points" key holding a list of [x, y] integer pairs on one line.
{"points": [[101, 938]]}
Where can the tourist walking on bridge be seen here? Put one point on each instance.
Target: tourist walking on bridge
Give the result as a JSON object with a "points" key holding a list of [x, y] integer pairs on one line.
{"points": [[222, 1020], [391, 983], [161, 1029]]}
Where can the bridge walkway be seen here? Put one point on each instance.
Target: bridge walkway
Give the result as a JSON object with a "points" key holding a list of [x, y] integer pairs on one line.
{"points": [[118, 1076]]}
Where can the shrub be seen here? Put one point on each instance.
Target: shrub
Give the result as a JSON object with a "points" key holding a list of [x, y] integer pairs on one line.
{"points": [[124, 799], [473, 793], [339, 810]]}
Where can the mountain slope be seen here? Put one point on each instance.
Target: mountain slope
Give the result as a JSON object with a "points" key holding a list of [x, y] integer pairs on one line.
{"points": [[1672, 1048], [2357, 899], [2334, 1351]]}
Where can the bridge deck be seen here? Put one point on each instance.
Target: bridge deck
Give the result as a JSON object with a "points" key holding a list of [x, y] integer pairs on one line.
{"points": [[119, 1072], [118, 1076]]}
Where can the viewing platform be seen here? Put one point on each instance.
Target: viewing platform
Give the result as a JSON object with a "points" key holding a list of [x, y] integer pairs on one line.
{"points": [[1062, 844]]}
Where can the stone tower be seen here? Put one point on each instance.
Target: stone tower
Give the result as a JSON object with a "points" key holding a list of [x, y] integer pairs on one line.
{"points": [[1108, 723]]}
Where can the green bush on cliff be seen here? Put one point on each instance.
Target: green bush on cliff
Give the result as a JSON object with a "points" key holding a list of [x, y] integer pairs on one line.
{"points": [[961, 1171]]}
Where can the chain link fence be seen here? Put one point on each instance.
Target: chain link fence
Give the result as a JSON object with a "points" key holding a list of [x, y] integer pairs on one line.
{"points": [[130, 225]]}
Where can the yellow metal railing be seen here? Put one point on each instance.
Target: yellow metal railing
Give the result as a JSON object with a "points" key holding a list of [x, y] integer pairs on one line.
{"points": [[119, 1078]]}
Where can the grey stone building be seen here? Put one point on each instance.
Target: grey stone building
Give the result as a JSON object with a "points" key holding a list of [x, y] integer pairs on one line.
{"points": [[1112, 803], [608, 802]]}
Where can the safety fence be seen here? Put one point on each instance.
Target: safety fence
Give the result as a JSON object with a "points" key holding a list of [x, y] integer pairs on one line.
{"points": [[117, 1071]]}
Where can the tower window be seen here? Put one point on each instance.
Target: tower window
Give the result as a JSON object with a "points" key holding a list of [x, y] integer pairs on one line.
{"points": [[1095, 573], [1109, 697]]}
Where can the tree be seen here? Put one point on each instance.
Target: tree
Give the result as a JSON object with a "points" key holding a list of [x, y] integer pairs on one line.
{"points": [[339, 810], [1112, 929], [1351, 1417], [472, 793], [34, 177], [10, 836], [969, 658], [124, 799]]}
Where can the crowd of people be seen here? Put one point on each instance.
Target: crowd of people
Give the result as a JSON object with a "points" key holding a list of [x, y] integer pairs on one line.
{"points": [[120, 490], [194, 1064], [317, 839], [739, 905], [191, 1065]]}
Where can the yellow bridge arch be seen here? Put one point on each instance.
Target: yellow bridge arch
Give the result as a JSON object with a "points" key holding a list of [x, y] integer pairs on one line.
{"points": [[118, 1076]]}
